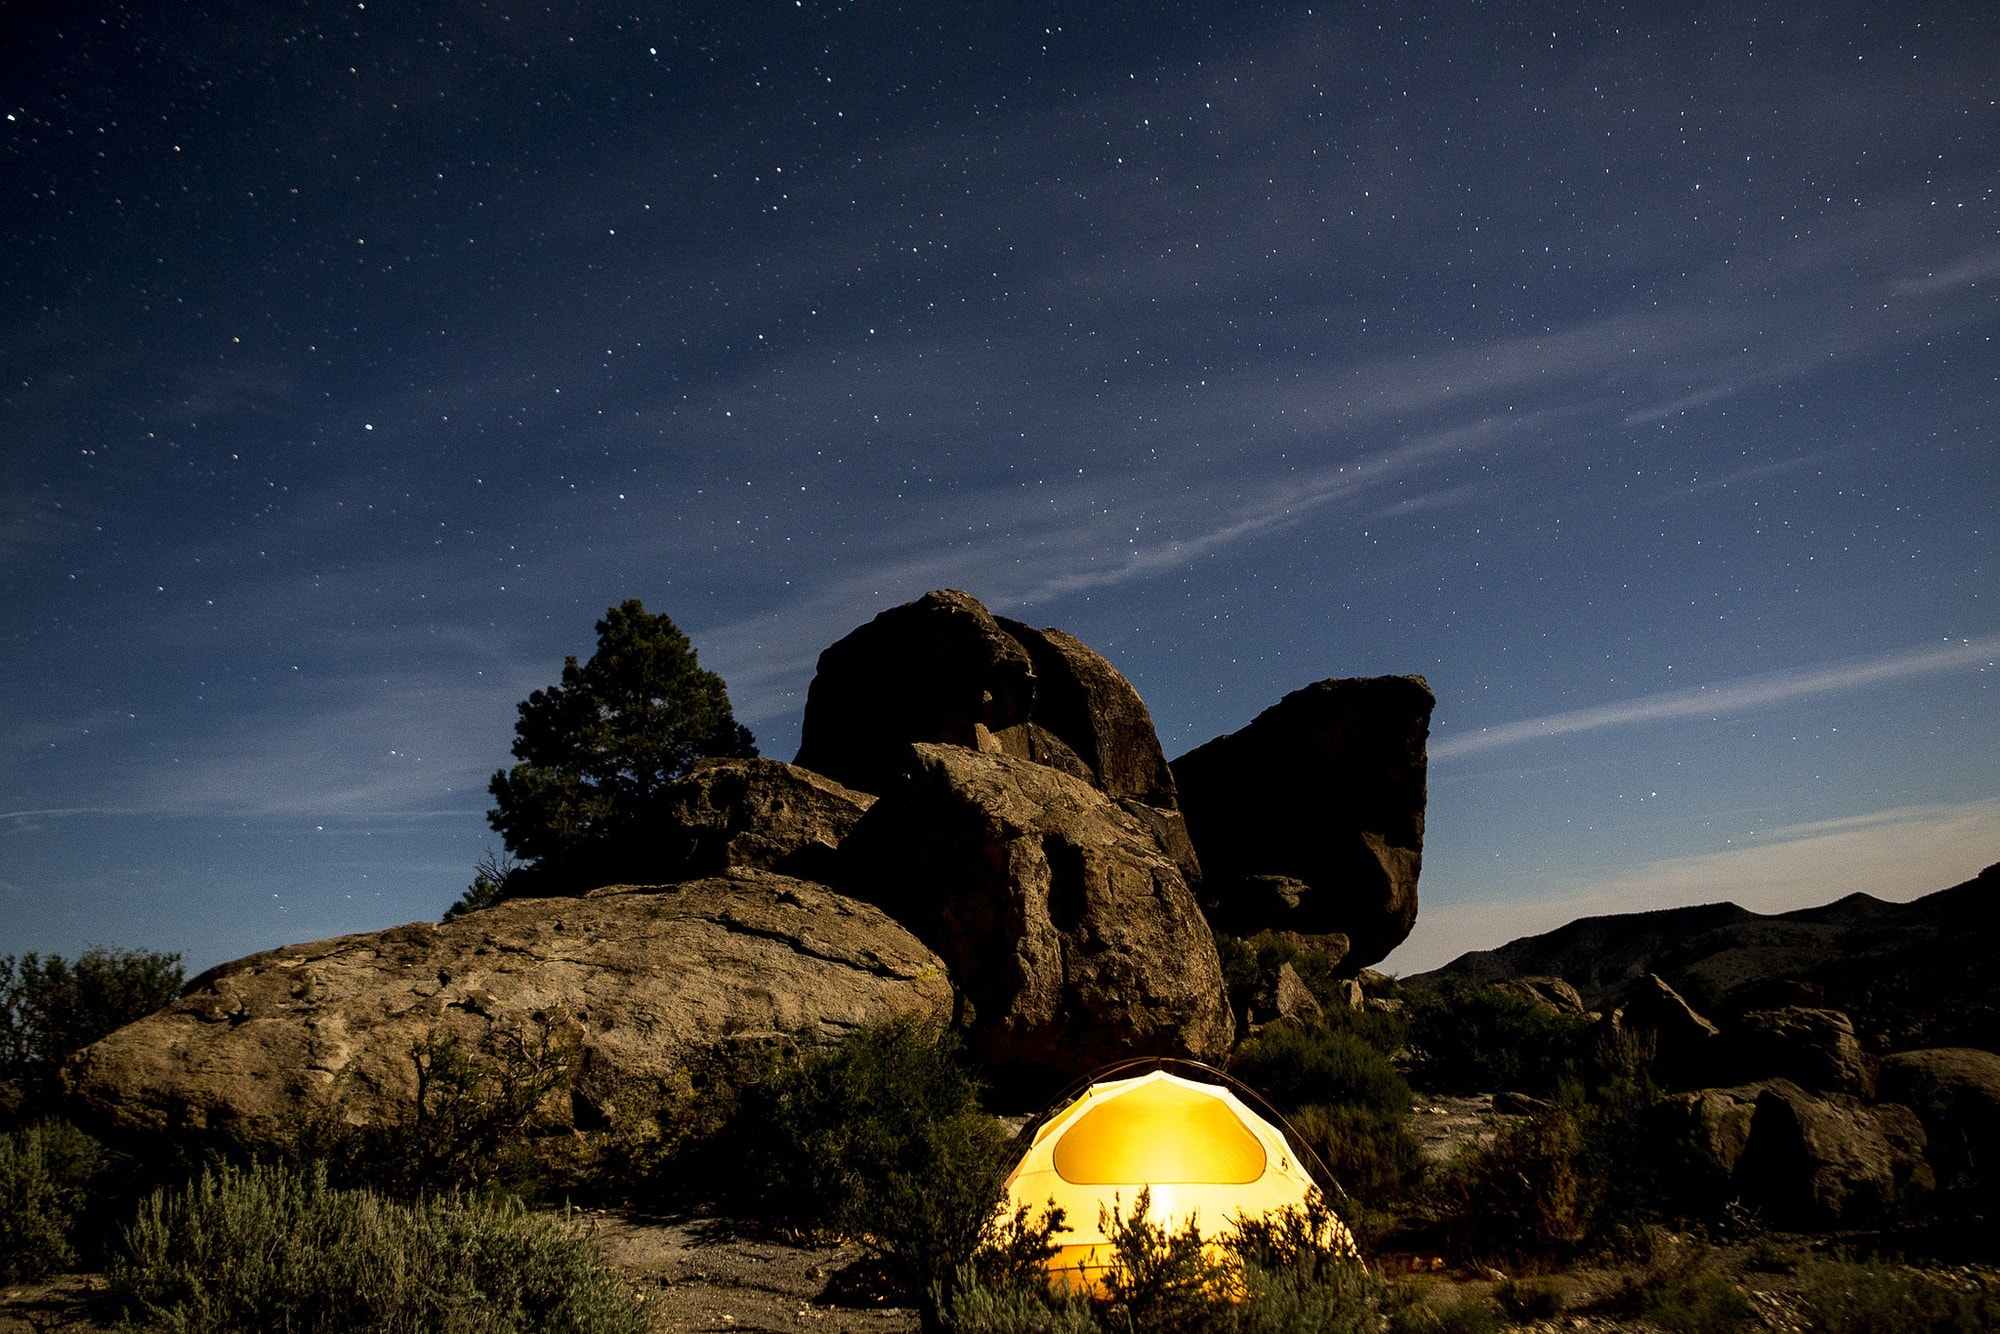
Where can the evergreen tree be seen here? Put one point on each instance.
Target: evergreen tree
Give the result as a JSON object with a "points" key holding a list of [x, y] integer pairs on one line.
{"points": [[596, 751]]}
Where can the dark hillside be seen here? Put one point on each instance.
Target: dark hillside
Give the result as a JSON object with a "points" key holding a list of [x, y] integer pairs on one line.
{"points": [[1915, 974]]}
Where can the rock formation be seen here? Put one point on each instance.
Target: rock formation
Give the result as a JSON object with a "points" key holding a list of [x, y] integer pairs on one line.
{"points": [[1814, 1048], [1072, 938], [754, 815], [1955, 1092], [647, 980], [1831, 1160], [994, 789], [943, 669], [1311, 818]]}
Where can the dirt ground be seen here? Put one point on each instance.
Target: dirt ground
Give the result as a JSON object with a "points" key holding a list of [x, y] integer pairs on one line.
{"points": [[693, 1274], [705, 1276]]}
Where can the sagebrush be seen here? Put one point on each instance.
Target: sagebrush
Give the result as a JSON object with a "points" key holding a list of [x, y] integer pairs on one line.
{"points": [[272, 1247]]}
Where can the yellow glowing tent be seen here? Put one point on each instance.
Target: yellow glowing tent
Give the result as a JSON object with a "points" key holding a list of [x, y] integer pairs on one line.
{"points": [[1203, 1154]]}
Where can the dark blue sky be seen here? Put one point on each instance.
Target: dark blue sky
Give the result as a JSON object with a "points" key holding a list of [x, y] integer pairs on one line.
{"points": [[1630, 373]]}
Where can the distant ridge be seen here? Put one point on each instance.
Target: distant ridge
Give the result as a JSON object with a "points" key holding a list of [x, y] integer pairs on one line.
{"points": [[1922, 973]]}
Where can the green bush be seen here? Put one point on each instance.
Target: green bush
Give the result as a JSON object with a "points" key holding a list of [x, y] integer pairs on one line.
{"points": [[1705, 1303], [882, 1140], [47, 1173], [1372, 1154], [1284, 1274], [1408, 1312], [275, 1248], [1470, 1038], [50, 1007], [1320, 1063], [1525, 1299], [1522, 1199], [1842, 1297]]}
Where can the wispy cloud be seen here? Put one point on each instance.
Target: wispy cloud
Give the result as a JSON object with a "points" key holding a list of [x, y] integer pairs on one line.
{"points": [[1895, 854], [1980, 266], [1730, 696]]}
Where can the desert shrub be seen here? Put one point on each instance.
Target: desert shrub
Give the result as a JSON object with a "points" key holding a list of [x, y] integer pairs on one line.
{"points": [[1407, 1311], [1468, 1038], [273, 1247], [1284, 1274], [1525, 1299], [1843, 1297], [1320, 1063], [1521, 1199], [1628, 1184], [480, 1116], [50, 1007], [1705, 1303], [882, 1140], [1250, 964], [975, 1305], [1371, 1153], [47, 1175]]}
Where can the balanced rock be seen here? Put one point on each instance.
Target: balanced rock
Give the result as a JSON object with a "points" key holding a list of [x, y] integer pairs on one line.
{"points": [[1955, 1092], [643, 981], [939, 669], [1072, 938], [945, 670], [756, 814], [1325, 789]]}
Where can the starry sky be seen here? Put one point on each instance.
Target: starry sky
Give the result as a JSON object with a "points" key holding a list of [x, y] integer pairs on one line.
{"points": [[1629, 371]]}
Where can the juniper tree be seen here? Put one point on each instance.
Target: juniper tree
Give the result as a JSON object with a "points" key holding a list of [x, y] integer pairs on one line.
{"points": [[595, 751]]}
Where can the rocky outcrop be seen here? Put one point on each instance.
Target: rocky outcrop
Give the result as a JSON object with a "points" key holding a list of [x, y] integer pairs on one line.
{"points": [[1831, 1160], [1550, 993], [1701, 1136], [1814, 1048], [760, 815], [1910, 975], [1072, 938], [944, 670], [1955, 1092], [939, 669], [1687, 1047], [1325, 791], [1802, 1159], [643, 980]]}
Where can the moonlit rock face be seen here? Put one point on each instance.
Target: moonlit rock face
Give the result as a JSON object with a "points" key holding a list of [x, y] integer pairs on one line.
{"points": [[1323, 794], [1071, 936], [645, 979]]}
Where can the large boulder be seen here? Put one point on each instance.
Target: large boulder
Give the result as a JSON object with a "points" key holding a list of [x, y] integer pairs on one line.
{"points": [[645, 981], [1699, 1138], [1688, 1050], [945, 670], [758, 814], [1830, 1160], [1325, 789], [1955, 1092], [939, 669], [1814, 1048], [1073, 939], [1095, 713]]}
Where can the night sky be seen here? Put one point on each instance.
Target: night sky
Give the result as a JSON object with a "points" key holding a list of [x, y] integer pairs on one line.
{"points": [[1629, 372]]}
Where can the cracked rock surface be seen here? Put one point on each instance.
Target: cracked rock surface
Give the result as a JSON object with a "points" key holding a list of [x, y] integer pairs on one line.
{"points": [[641, 979]]}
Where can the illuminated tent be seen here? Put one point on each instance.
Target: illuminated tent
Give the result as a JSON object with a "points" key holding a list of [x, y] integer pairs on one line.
{"points": [[1205, 1157]]}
